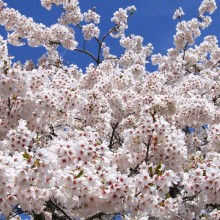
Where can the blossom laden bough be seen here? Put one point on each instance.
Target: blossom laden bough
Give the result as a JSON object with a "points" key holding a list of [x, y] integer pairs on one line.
{"points": [[116, 139]]}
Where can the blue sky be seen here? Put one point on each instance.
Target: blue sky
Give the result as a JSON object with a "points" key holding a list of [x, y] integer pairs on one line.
{"points": [[153, 20]]}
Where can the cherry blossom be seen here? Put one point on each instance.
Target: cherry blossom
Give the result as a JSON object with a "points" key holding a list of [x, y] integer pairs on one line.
{"points": [[114, 139]]}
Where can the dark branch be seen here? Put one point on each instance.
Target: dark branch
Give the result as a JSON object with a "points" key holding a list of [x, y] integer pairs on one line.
{"points": [[216, 65], [38, 216], [190, 198], [97, 215], [148, 148], [10, 106], [88, 53], [114, 127], [52, 131], [184, 51], [214, 206], [55, 216], [147, 158], [55, 205], [101, 41], [84, 45], [79, 50], [215, 98]]}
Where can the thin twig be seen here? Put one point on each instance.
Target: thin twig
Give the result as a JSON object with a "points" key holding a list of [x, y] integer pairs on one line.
{"points": [[215, 65], [206, 92], [148, 148], [79, 26], [190, 198], [84, 45], [50, 64]]}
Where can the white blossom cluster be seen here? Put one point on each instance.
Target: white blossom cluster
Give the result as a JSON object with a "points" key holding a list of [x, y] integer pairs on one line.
{"points": [[207, 6], [91, 15], [120, 18], [90, 31], [203, 179], [116, 139], [36, 34], [178, 13]]}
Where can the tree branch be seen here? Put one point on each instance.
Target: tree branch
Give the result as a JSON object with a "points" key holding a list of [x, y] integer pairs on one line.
{"points": [[215, 98], [84, 45], [148, 148], [52, 131], [147, 158], [59, 208], [114, 127], [184, 50], [79, 50], [38, 216], [55, 216], [216, 65], [97, 215], [101, 41], [190, 198], [88, 53], [10, 106]]}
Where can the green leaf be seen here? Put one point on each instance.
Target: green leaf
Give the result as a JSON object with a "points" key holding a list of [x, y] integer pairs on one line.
{"points": [[79, 174], [168, 196], [26, 156], [150, 170], [157, 169], [36, 163]]}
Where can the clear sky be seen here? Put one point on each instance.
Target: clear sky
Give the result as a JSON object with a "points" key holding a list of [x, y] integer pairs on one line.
{"points": [[152, 20]]}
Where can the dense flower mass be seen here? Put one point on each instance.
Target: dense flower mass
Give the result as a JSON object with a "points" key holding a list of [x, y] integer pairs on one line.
{"points": [[116, 139]]}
